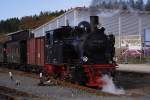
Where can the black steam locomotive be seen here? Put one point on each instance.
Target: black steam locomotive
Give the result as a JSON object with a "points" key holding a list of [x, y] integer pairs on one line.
{"points": [[80, 54]]}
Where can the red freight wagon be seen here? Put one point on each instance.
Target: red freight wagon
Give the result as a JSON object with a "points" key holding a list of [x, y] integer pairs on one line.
{"points": [[35, 51]]}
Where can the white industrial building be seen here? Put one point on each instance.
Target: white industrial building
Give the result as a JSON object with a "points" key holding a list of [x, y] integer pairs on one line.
{"points": [[127, 26]]}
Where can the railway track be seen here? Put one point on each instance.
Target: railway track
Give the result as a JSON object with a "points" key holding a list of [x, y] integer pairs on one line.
{"points": [[12, 94], [6, 97], [83, 88], [68, 84], [93, 91], [61, 83]]}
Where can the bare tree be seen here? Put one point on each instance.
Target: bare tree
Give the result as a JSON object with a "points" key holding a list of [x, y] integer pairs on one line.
{"points": [[139, 4], [147, 6]]}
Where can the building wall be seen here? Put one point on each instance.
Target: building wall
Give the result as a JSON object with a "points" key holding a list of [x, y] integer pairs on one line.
{"points": [[127, 25], [120, 23]]}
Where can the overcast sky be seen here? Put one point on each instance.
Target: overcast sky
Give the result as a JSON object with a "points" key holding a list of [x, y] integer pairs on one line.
{"points": [[19, 8]]}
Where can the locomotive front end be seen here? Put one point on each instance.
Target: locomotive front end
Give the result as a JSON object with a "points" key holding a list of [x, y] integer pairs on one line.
{"points": [[98, 54]]}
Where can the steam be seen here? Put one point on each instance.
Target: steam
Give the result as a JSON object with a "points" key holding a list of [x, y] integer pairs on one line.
{"points": [[97, 3], [115, 4], [110, 87], [97, 7], [109, 14]]}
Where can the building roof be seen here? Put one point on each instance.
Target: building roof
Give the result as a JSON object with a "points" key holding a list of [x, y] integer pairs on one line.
{"points": [[8, 34], [59, 17], [85, 8]]}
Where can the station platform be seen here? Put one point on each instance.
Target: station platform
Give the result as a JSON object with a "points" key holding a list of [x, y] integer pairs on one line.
{"points": [[140, 68]]}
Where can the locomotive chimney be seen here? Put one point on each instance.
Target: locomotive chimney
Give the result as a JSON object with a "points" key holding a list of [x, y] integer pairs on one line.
{"points": [[94, 21]]}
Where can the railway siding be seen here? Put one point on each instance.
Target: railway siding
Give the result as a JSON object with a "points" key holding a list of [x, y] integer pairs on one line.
{"points": [[28, 84], [139, 68]]}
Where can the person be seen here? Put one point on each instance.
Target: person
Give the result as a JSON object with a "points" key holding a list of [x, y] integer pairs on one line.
{"points": [[17, 82], [41, 79], [11, 76]]}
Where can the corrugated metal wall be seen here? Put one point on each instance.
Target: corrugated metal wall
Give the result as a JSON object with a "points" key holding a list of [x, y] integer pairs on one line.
{"points": [[120, 23]]}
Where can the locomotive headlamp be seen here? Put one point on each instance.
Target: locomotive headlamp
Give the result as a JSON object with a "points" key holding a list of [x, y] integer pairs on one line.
{"points": [[85, 59], [81, 26], [99, 26]]}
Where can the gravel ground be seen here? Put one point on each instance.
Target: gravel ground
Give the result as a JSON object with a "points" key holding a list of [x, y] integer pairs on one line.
{"points": [[29, 85]]}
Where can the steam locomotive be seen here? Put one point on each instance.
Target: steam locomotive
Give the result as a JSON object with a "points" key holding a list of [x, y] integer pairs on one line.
{"points": [[80, 54]]}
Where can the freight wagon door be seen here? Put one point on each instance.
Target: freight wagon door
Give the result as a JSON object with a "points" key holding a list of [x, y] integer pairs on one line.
{"points": [[13, 52], [3, 56], [1, 53], [23, 52], [40, 51], [31, 51]]}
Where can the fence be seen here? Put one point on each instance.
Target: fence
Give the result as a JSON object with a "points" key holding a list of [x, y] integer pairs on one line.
{"points": [[132, 50]]}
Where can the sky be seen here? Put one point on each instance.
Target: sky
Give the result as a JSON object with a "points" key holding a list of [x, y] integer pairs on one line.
{"points": [[19, 8]]}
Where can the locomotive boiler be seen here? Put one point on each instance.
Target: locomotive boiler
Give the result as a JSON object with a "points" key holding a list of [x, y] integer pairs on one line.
{"points": [[80, 54]]}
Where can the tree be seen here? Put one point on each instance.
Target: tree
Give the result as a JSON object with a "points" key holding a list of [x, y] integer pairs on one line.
{"points": [[116, 4], [123, 4], [103, 5], [139, 4], [9, 25], [132, 4], [147, 6], [27, 22]]}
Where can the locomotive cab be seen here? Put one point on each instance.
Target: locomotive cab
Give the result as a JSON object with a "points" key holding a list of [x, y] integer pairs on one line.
{"points": [[59, 46]]}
